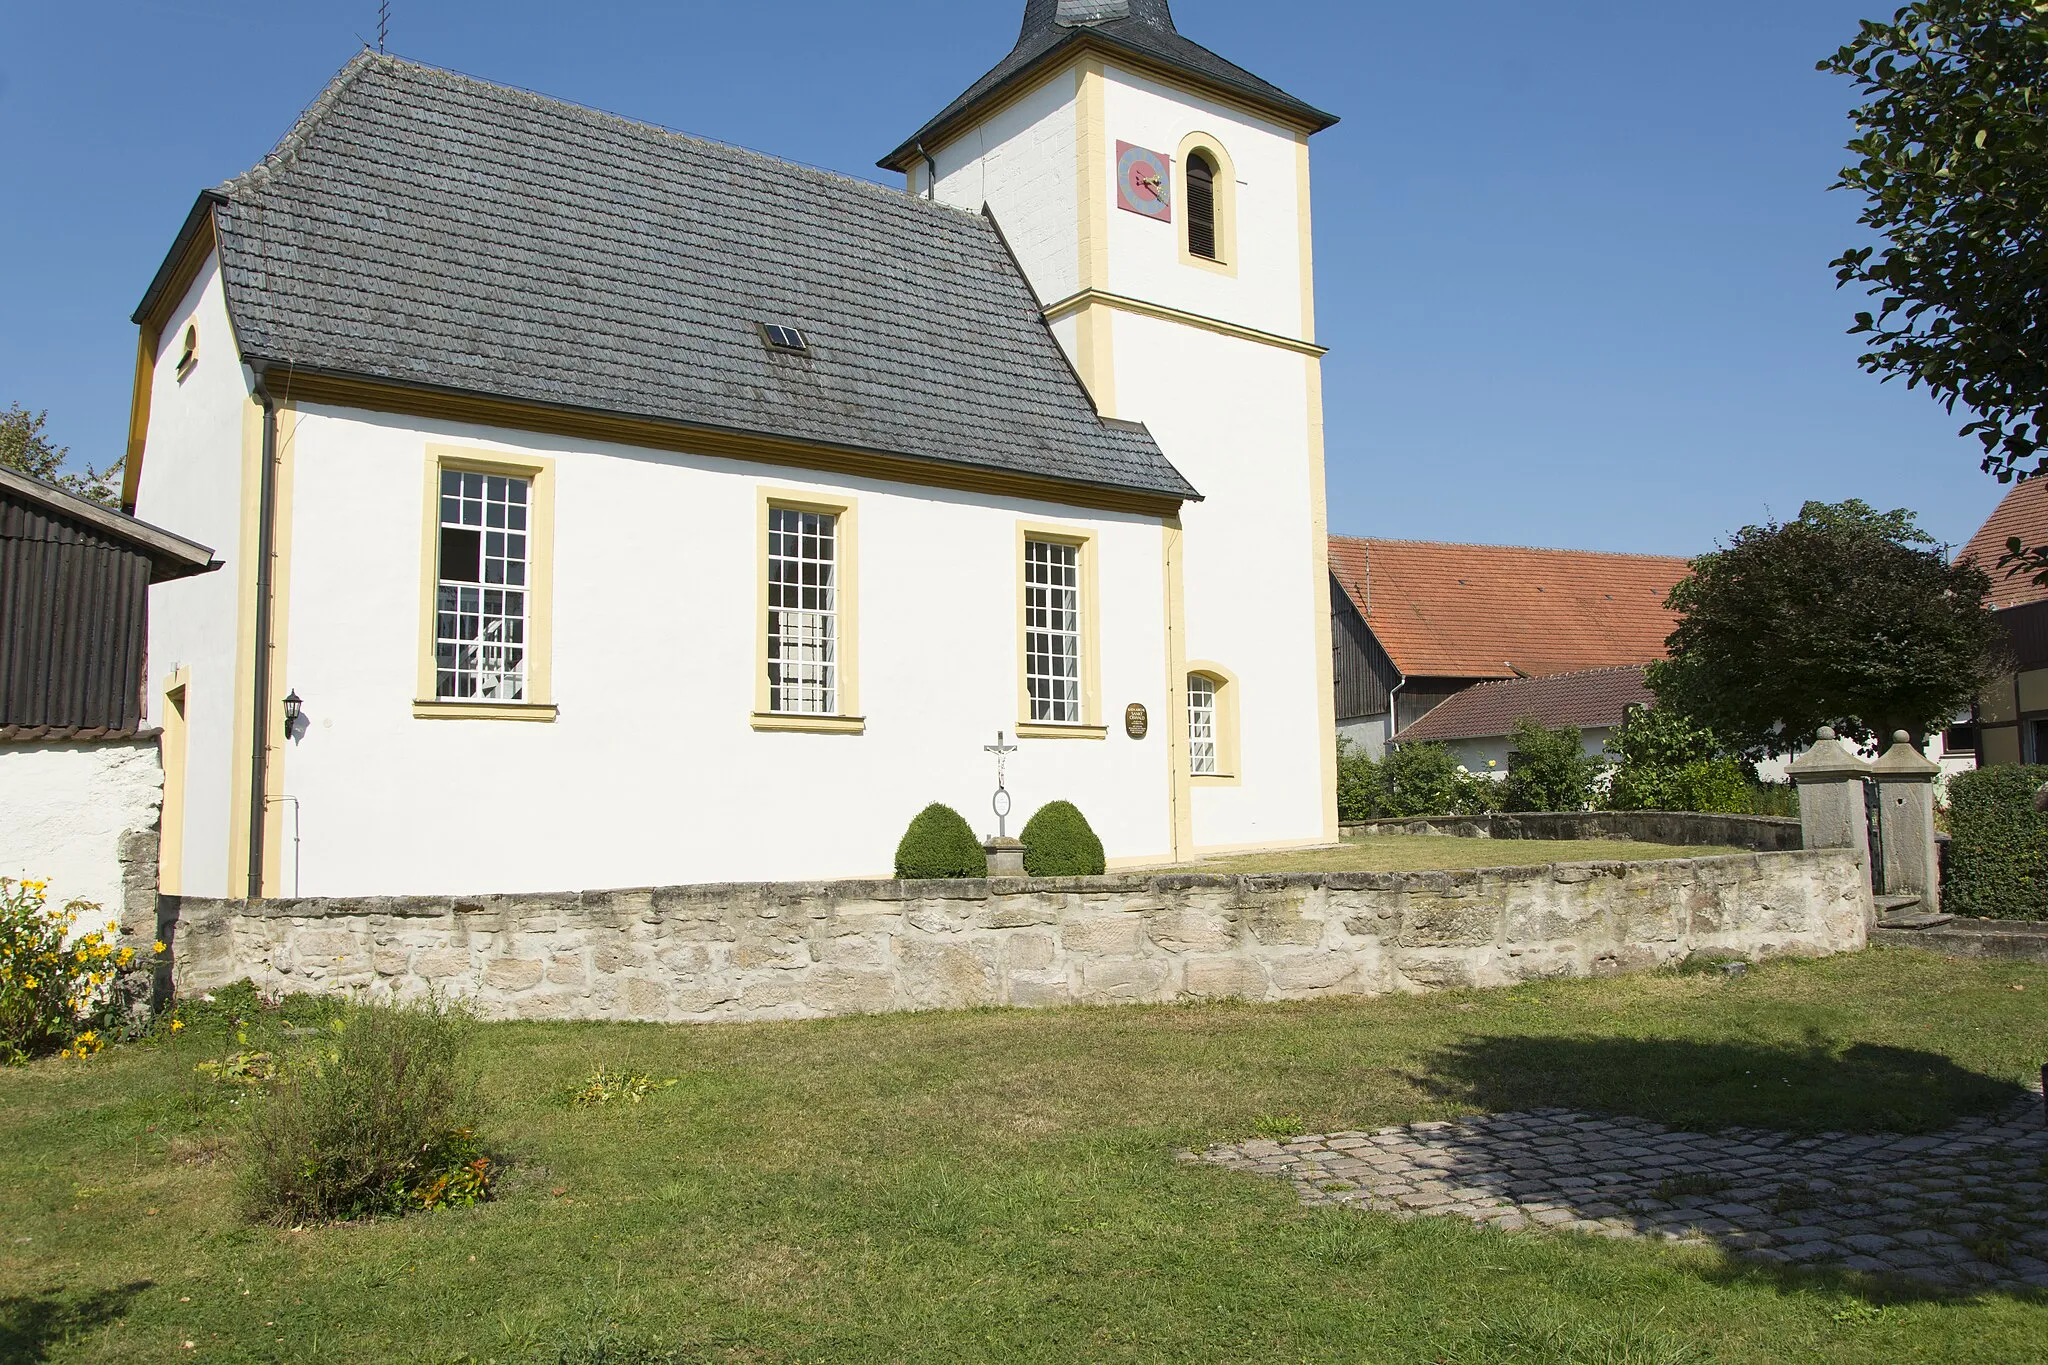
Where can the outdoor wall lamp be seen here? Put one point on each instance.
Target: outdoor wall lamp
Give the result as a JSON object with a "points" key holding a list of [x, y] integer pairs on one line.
{"points": [[291, 710]]}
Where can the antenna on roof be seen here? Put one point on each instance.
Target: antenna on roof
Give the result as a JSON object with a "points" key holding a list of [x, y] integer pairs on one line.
{"points": [[383, 22]]}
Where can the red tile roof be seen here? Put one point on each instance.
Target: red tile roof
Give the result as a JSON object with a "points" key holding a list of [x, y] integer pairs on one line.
{"points": [[2023, 513], [65, 734], [1485, 611], [1598, 696]]}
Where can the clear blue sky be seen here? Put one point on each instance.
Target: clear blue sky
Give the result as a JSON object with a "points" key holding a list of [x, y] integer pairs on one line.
{"points": [[1572, 259]]}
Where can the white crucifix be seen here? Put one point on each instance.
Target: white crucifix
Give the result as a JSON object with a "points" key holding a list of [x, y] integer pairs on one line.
{"points": [[1000, 803]]}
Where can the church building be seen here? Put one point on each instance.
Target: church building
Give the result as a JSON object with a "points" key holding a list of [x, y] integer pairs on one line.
{"points": [[605, 507]]}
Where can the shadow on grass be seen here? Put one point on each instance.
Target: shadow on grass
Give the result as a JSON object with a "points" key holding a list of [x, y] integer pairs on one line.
{"points": [[1704, 1086], [30, 1324]]}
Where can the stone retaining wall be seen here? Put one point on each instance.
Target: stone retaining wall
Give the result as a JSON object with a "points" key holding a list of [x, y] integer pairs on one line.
{"points": [[1764, 833], [805, 950]]}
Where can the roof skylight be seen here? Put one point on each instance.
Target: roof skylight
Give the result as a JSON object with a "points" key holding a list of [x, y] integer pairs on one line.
{"points": [[783, 337]]}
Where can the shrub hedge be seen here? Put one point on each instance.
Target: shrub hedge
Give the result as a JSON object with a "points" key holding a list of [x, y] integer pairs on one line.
{"points": [[376, 1121], [1058, 842], [1998, 850], [939, 843]]}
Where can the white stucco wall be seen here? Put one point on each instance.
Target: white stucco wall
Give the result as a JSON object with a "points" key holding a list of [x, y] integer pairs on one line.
{"points": [[1233, 417], [1021, 162], [63, 810], [652, 773], [1144, 254], [1489, 755], [192, 484]]}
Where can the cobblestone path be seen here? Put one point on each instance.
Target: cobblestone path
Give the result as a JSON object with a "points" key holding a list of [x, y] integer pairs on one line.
{"points": [[1965, 1206]]}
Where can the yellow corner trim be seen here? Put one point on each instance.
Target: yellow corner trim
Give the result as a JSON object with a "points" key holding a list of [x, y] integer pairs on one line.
{"points": [[1090, 298], [814, 725], [1035, 729], [483, 710]]}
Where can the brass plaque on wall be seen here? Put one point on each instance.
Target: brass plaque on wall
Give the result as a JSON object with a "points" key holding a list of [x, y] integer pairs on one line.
{"points": [[1135, 721]]}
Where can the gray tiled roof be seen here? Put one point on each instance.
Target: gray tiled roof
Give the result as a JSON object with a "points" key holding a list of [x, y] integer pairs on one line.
{"points": [[1144, 28], [422, 227]]}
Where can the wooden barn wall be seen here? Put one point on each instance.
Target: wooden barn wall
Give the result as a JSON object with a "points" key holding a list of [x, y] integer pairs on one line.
{"points": [[1364, 673], [72, 623]]}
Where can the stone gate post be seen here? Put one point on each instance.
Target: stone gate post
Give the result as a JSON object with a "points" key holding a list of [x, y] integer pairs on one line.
{"points": [[1905, 822], [1830, 781]]}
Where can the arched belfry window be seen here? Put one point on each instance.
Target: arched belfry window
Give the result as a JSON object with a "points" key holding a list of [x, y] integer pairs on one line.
{"points": [[1201, 207], [1205, 185]]}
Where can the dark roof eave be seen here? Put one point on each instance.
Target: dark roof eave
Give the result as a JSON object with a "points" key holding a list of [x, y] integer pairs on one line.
{"points": [[278, 373], [152, 297], [1293, 111], [170, 555]]}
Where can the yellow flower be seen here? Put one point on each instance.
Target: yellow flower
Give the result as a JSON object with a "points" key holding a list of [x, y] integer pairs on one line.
{"points": [[177, 1024], [159, 947], [127, 956], [29, 982]]}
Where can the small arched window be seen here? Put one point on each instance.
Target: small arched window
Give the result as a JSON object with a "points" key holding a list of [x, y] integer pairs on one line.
{"points": [[1202, 755], [1201, 206], [189, 355], [1212, 724]]}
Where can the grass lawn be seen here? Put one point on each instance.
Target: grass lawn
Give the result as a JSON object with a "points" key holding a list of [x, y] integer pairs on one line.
{"points": [[1001, 1185], [1430, 852]]}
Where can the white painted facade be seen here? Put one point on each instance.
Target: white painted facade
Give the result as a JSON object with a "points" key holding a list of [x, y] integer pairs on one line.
{"points": [[192, 479], [651, 772], [1240, 416], [64, 808]]}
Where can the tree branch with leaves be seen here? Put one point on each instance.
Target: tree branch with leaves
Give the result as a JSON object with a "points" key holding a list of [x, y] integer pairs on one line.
{"points": [[25, 448]]}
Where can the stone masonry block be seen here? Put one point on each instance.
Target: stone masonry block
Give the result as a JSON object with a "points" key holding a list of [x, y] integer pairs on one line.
{"points": [[1213, 978], [1111, 937], [513, 973], [946, 975], [1124, 979], [1191, 931], [1029, 952]]}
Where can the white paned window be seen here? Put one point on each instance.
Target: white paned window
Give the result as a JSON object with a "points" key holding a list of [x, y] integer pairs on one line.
{"points": [[803, 612], [482, 600], [1201, 725], [1052, 630]]}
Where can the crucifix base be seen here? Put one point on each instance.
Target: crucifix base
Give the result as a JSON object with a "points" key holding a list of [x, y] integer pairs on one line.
{"points": [[1005, 857]]}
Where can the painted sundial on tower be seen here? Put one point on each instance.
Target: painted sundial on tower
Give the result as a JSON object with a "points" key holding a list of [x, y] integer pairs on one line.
{"points": [[1144, 182]]}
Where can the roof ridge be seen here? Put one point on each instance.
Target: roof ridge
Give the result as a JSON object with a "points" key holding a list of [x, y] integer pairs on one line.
{"points": [[1488, 545], [390, 61], [287, 148], [1553, 677]]}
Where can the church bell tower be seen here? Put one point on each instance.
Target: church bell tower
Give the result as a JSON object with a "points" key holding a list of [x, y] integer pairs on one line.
{"points": [[1156, 196]]}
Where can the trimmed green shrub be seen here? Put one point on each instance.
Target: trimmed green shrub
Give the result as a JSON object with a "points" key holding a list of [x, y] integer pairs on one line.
{"points": [[1059, 843], [376, 1120], [939, 843], [1549, 769], [1998, 849], [1427, 779]]}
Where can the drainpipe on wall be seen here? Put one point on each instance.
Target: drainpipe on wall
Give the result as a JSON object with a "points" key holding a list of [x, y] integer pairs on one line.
{"points": [[1393, 715], [266, 549], [931, 173]]}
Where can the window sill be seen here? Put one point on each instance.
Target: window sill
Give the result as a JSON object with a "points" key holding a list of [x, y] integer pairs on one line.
{"points": [[1038, 729], [1214, 779], [483, 710], [814, 725]]}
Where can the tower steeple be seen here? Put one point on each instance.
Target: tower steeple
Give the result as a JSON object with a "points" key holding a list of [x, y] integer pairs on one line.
{"points": [[1138, 33]]}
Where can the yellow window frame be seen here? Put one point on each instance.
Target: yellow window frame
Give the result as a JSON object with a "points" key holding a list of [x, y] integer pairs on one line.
{"points": [[845, 511], [1091, 725], [539, 472]]}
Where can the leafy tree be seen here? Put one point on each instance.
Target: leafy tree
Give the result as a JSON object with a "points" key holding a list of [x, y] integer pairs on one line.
{"points": [[24, 447], [1360, 788], [1549, 769], [1847, 617], [1953, 165], [1664, 761]]}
